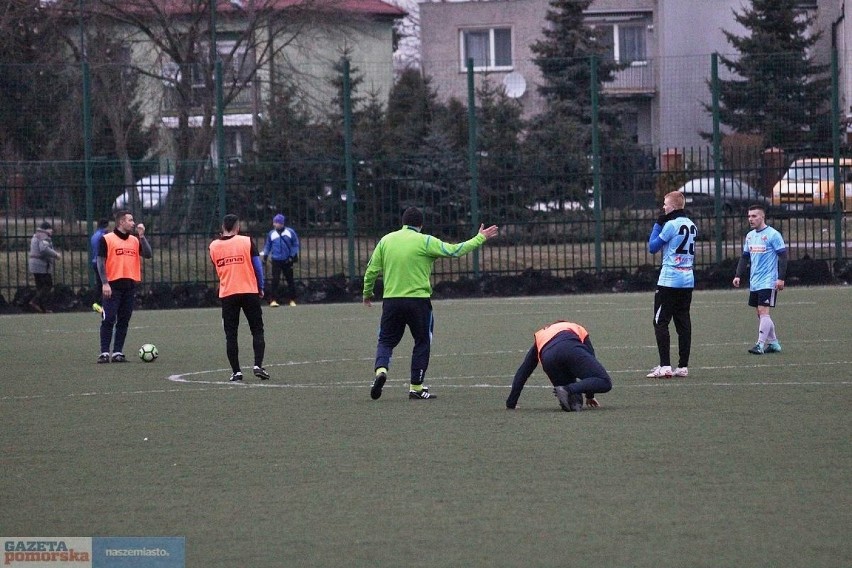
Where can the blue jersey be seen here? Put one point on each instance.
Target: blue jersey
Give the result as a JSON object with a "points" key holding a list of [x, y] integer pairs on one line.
{"points": [[95, 242], [762, 248], [677, 241]]}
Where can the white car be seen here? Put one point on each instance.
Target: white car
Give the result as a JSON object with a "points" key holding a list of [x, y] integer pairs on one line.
{"points": [[151, 192]]}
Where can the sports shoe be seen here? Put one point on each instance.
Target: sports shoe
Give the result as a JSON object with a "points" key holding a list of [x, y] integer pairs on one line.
{"points": [[660, 372], [238, 376], [681, 372], [292, 303], [592, 403], [773, 347], [421, 394], [119, 357], [378, 383], [569, 401], [103, 358], [260, 373], [757, 349], [96, 307], [274, 304]]}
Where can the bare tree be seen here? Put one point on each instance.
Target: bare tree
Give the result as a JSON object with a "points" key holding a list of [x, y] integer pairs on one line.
{"points": [[178, 37], [407, 30]]}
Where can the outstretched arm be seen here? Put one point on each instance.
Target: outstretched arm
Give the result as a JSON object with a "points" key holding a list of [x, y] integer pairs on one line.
{"points": [[521, 375], [436, 248]]}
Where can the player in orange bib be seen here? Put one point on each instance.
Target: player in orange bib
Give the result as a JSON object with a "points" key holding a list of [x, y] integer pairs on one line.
{"points": [[568, 359], [240, 274], [119, 263]]}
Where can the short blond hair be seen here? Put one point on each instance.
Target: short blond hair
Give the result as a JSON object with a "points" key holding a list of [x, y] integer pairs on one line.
{"points": [[677, 199]]}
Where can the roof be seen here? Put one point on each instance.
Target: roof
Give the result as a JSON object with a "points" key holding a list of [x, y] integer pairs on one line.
{"points": [[364, 7]]}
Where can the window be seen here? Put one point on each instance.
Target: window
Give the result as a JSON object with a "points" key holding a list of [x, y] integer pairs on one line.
{"points": [[490, 49], [624, 43], [631, 44], [237, 69]]}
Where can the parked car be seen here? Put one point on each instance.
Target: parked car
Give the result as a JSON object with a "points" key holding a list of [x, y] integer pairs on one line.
{"points": [[151, 193], [559, 205], [736, 195], [809, 184]]}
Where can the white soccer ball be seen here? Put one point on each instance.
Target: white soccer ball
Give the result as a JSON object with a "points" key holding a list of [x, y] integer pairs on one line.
{"points": [[148, 352]]}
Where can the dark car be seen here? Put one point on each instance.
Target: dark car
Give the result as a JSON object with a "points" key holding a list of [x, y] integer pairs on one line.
{"points": [[736, 195]]}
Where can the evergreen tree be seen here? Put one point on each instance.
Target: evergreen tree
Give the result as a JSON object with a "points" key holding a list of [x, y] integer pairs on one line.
{"points": [[499, 125], [33, 87], [559, 141], [563, 56], [411, 110], [289, 168], [426, 164], [778, 92]]}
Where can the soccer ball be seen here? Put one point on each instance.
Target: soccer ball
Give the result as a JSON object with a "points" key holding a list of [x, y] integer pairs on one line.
{"points": [[148, 352]]}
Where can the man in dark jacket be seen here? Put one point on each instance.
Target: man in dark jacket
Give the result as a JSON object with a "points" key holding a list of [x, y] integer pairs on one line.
{"points": [[41, 260], [568, 359]]}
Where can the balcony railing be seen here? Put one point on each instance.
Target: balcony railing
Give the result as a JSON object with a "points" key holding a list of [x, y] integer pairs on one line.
{"points": [[242, 102], [635, 79]]}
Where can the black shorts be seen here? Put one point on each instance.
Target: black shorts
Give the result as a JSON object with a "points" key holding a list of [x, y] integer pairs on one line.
{"points": [[764, 297]]}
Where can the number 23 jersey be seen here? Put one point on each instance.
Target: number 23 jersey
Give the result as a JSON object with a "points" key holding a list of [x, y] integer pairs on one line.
{"points": [[678, 253]]}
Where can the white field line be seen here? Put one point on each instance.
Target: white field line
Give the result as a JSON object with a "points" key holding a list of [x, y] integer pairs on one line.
{"points": [[208, 385]]}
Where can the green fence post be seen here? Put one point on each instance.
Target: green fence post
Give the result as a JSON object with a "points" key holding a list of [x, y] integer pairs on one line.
{"points": [[347, 162], [717, 155], [835, 147], [220, 140], [87, 138], [473, 165], [596, 164]]}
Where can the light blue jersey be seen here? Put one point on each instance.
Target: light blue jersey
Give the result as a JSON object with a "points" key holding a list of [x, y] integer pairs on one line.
{"points": [[677, 240], [762, 248]]}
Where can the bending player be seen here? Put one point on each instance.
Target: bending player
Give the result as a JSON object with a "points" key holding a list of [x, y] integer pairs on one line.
{"points": [[568, 359]]}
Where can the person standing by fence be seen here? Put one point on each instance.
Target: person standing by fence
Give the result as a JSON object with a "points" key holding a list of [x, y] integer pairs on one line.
{"points": [[41, 261], [282, 244], [120, 255], [95, 240]]}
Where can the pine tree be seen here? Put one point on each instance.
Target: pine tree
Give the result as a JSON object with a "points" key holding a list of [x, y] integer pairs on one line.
{"points": [[563, 55], [559, 141], [411, 111], [502, 190], [778, 92]]}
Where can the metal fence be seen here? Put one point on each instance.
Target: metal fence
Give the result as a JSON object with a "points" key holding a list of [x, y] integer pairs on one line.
{"points": [[560, 236], [342, 199]]}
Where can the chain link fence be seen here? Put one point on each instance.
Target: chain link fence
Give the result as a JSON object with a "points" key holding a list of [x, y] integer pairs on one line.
{"points": [[342, 171]]}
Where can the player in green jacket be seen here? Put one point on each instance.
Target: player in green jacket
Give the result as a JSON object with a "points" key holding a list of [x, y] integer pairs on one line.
{"points": [[405, 258]]}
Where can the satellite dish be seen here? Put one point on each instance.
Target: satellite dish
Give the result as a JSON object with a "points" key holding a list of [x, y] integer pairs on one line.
{"points": [[514, 84]]}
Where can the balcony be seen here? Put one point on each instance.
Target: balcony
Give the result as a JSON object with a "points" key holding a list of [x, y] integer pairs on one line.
{"points": [[637, 79], [241, 103]]}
